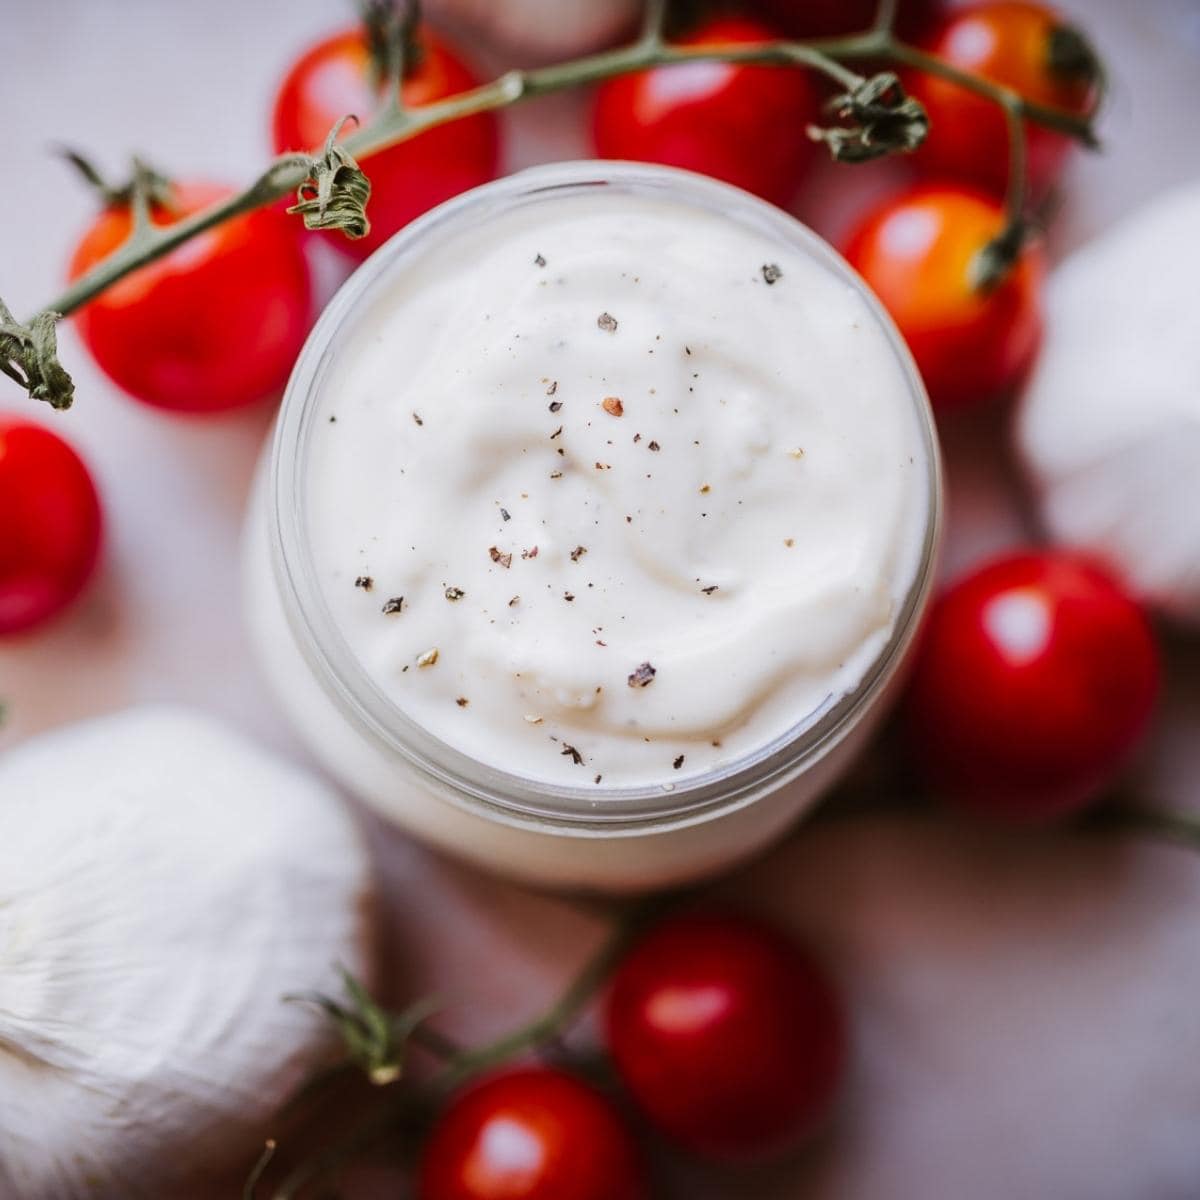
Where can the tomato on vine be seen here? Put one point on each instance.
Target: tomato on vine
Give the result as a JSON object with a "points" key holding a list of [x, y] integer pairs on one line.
{"points": [[50, 525], [1035, 678], [337, 77], [743, 124], [1027, 47], [215, 324], [921, 253], [531, 1133], [727, 1034]]}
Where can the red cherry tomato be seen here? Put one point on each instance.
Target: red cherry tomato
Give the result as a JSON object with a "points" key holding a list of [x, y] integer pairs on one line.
{"points": [[745, 125], [916, 251], [1029, 48], [214, 325], [531, 1134], [1035, 678], [835, 18], [49, 525], [727, 1035], [334, 78]]}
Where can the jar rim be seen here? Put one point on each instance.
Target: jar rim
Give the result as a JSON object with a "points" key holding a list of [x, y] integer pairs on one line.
{"points": [[508, 796]]}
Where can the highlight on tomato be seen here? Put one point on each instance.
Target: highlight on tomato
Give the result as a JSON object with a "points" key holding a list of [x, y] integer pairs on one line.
{"points": [[531, 1133], [742, 124], [1025, 46], [1035, 679], [339, 76], [217, 323], [727, 1034], [922, 253]]}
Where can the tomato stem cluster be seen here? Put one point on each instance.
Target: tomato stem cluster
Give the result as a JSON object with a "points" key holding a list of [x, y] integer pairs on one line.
{"points": [[333, 194], [458, 1064]]}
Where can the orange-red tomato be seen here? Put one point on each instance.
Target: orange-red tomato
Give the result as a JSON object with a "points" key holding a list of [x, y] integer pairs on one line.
{"points": [[1027, 47], [1036, 676], [745, 125], [917, 251], [217, 323], [49, 525], [333, 79]]}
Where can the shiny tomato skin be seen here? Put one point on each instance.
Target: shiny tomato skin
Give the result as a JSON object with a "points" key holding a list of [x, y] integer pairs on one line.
{"points": [[333, 79], [835, 18], [915, 250], [1007, 42], [50, 525], [1035, 678], [742, 124], [727, 1035], [531, 1133], [214, 325]]}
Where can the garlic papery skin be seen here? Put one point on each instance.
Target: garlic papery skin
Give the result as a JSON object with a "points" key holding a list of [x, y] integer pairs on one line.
{"points": [[1109, 428], [163, 884], [541, 29]]}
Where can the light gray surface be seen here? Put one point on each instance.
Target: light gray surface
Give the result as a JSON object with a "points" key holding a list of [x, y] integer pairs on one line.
{"points": [[1026, 1012]]}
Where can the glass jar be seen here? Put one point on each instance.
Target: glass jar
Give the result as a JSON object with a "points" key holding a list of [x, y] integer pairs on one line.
{"points": [[630, 838]]}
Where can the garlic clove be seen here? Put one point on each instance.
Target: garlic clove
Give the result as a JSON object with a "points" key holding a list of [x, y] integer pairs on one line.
{"points": [[1109, 427], [163, 883]]}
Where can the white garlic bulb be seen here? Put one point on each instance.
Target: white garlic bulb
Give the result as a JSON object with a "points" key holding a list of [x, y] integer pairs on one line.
{"points": [[163, 884], [1109, 427], [539, 29]]}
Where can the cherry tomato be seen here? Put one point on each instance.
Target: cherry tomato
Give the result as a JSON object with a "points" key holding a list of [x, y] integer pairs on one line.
{"points": [[835, 18], [745, 125], [333, 79], [916, 251], [531, 1134], [216, 324], [727, 1035], [49, 525], [1035, 678], [1029, 48]]}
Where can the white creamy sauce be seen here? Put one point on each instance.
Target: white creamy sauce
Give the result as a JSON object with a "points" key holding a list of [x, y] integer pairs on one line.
{"points": [[646, 511]]}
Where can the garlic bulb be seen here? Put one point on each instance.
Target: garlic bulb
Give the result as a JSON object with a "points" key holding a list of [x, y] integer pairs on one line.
{"points": [[541, 29], [162, 885], [1110, 425]]}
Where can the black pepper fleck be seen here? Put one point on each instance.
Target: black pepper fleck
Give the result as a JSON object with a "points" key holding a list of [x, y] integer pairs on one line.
{"points": [[556, 433], [393, 606], [678, 762], [552, 388], [454, 593], [555, 405], [365, 582], [578, 553], [462, 702], [642, 675], [607, 322], [771, 272], [708, 591], [416, 417], [568, 596], [498, 556], [539, 261], [569, 751], [654, 446], [506, 514]]}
